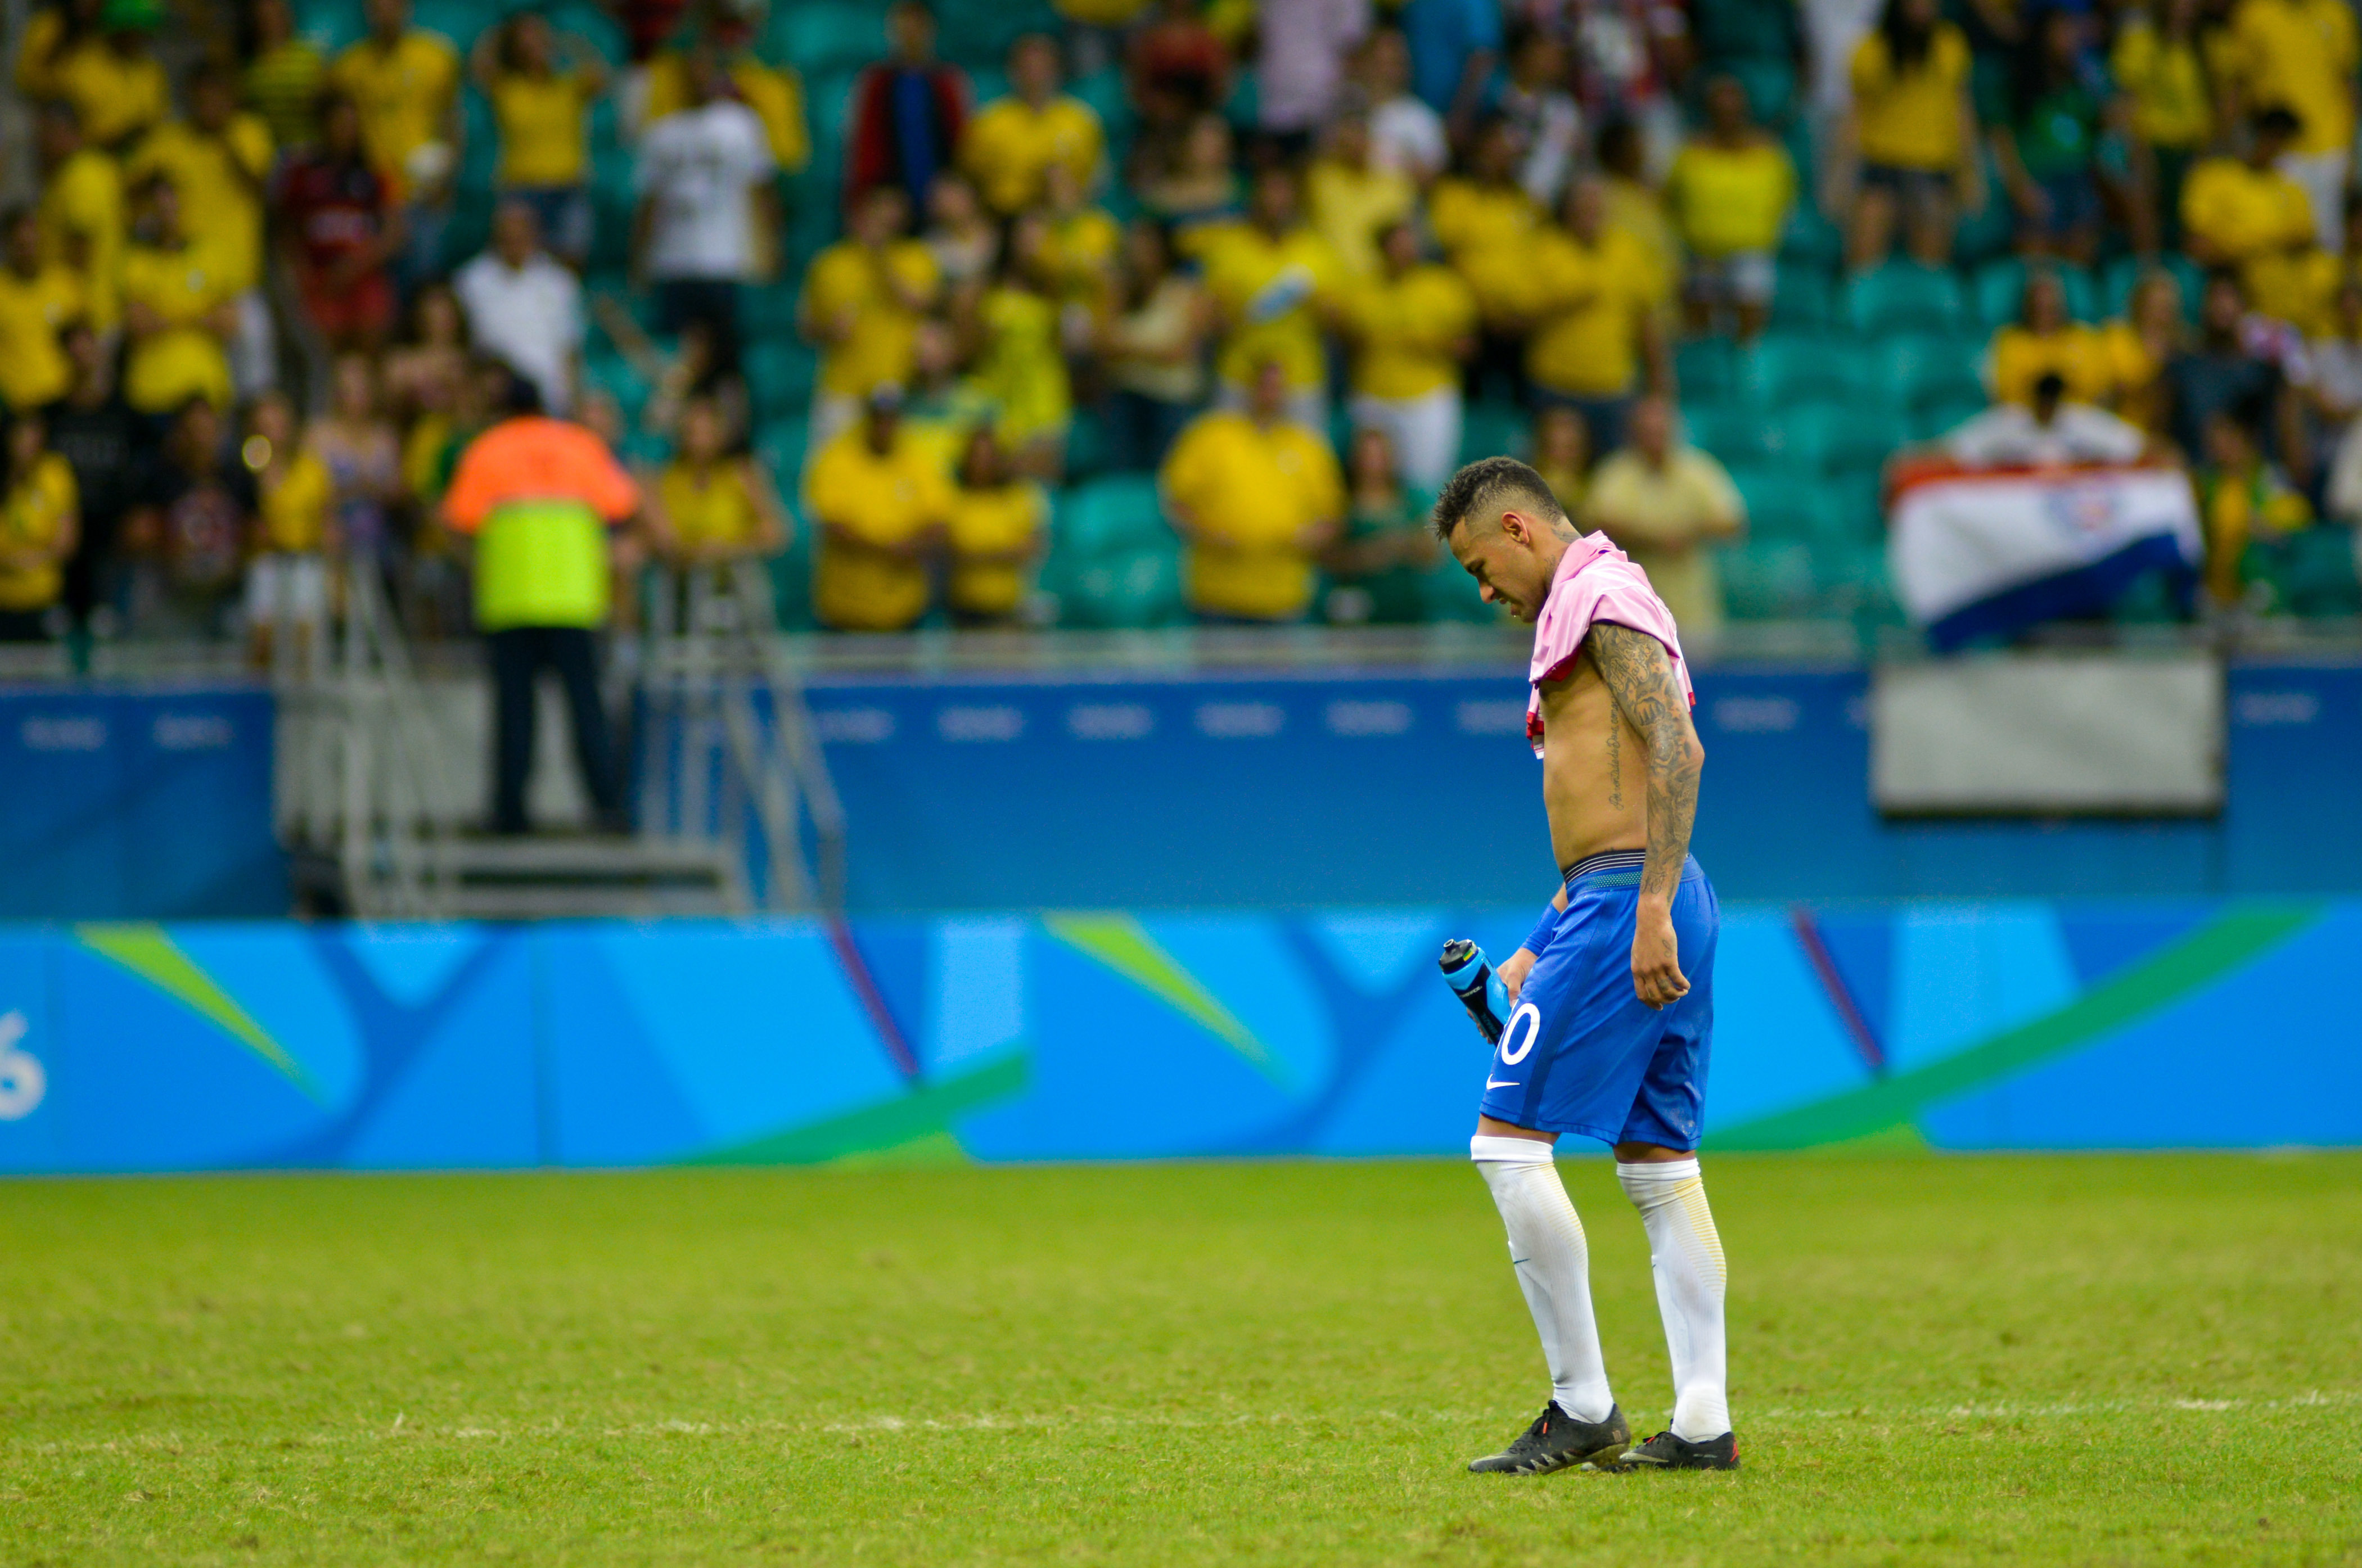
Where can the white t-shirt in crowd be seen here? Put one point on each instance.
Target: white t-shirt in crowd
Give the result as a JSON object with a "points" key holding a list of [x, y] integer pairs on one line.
{"points": [[1406, 136], [1302, 61], [699, 167], [2009, 436], [530, 316]]}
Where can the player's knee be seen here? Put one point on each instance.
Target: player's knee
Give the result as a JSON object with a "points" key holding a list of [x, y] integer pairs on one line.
{"points": [[1488, 1148]]}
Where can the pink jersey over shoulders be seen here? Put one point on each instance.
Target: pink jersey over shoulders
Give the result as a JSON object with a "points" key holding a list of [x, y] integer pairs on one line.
{"points": [[1595, 581]]}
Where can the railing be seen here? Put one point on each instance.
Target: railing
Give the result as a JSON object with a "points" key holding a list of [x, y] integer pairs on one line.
{"points": [[358, 756], [710, 765]]}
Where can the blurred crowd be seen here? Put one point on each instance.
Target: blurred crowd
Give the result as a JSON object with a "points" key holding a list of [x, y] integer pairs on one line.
{"points": [[247, 333]]}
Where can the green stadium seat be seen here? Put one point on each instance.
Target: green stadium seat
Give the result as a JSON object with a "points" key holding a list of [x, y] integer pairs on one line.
{"points": [[1447, 594], [1779, 371], [2000, 291], [1834, 439], [1810, 237], [1850, 515], [1769, 81], [2149, 601], [1139, 588], [1852, 583], [1781, 502], [1767, 579], [1806, 296], [2316, 572], [1703, 368], [2116, 287], [1983, 235], [1110, 515], [1938, 420], [1736, 433], [1919, 369], [820, 35], [1490, 430], [1902, 296]]}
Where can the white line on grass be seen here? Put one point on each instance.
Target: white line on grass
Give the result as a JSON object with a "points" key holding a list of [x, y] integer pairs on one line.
{"points": [[176, 1442]]}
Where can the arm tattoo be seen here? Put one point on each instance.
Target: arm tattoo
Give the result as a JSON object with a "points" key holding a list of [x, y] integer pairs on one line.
{"points": [[1640, 680]]}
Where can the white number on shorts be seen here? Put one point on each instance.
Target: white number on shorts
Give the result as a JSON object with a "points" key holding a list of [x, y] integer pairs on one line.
{"points": [[1530, 1017]]}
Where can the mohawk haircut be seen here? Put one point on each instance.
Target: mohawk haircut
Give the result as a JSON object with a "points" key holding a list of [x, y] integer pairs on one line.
{"points": [[1491, 485]]}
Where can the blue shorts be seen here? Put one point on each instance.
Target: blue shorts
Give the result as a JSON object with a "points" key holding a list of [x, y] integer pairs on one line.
{"points": [[1583, 1053]]}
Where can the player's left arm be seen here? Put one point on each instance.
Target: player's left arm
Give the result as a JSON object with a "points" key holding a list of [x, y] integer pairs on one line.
{"points": [[1639, 678]]}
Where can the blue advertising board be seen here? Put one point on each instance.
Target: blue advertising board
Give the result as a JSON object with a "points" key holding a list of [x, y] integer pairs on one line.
{"points": [[1132, 1035]]}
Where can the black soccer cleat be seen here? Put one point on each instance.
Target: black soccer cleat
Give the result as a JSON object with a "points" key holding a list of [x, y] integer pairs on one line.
{"points": [[1666, 1451], [1557, 1442]]}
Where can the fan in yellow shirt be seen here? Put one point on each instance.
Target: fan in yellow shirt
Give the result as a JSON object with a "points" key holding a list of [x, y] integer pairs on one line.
{"points": [[1664, 503], [37, 299], [82, 213], [1079, 250], [406, 82], [1593, 330], [1273, 280], [1257, 497], [2299, 55], [994, 533], [543, 114], [1412, 327], [862, 300], [219, 160], [1011, 140], [716, 507], [1730, 190], [39, 521], [107, 71], [2045, 342], [1020, 366], [1351, 200], [1916, 131], [1483, 218], [877, 499], [287, 575], [178, 309], [2245, 212], [775, 93]]}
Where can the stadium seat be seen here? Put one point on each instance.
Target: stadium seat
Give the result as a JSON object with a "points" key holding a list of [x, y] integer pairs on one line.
{"points": [[2000, 291], [1832, 439], [1806, 296], [1853, 583], [1489, 430], [1782, 371], [2314, 572], [1108, 516], [1850, 515], [1767, 579], [1809, 237], [1903, 296], [1736, 433], [1702, 366], [1769, 81], [1138, 588], [1937, 420], [828, 35], [1780, 502], [1920, 369]]}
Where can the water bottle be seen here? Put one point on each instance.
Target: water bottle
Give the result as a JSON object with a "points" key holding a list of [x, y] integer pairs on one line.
{"points": [[1469, 975]]}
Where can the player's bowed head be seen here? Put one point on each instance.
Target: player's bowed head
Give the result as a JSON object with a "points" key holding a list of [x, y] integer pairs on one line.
{"points": [[1506, 531]]}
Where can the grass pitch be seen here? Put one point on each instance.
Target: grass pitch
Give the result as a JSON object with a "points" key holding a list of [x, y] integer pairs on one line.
{"points": [[1934, 1360]]}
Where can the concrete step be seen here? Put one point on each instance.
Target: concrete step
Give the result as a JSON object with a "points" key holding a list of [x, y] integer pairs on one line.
{"points": [[577, 903], [551, 876]]}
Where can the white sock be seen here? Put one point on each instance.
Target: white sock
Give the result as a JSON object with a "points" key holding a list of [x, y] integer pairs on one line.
{"points": [[1685, 1253], [1553, 1264]]}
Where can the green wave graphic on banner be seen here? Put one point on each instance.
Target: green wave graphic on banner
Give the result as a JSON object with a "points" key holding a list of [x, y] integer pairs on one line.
{"points": [[1124, 945], [147, 951], [2232, 938]]}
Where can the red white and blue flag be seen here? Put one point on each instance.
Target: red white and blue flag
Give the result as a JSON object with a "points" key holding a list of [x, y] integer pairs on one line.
{"points": [[1976, 553]]}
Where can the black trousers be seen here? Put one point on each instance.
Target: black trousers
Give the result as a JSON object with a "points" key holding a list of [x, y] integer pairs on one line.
{"points": [[519, 654]]}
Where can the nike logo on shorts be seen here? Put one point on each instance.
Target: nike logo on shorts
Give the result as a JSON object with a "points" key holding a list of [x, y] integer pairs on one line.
{"points": [[1497, 1084]]}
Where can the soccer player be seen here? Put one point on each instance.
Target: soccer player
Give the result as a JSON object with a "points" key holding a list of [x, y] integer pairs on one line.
{"points": [[1612, 995]]}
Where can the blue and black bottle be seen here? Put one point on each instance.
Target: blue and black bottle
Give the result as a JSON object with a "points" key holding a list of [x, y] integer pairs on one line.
{"points": [[1469, 975]]}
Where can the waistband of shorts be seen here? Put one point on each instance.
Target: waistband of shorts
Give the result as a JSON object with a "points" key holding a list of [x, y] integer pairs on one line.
{"points": [[1609, 868], [1619, 867]]}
